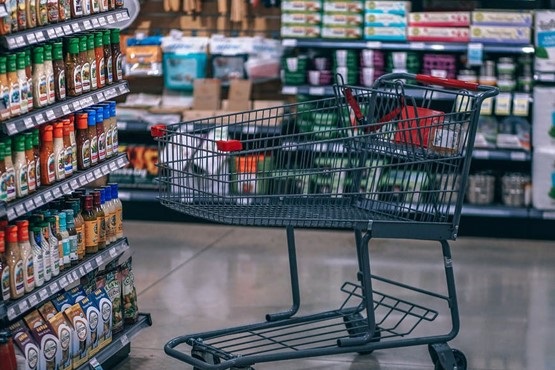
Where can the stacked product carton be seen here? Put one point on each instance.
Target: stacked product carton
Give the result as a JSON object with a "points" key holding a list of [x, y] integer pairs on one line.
{"points": [[342, 19], [501, 27], [301, 18], [439, 26], [386, 20]]}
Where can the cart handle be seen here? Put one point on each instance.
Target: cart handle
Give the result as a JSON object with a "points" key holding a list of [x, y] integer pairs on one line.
{"points": [[158, 130], [447, 82]]}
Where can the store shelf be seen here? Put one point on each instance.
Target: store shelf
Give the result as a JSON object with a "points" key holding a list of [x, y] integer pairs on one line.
{"points": [[57, 30], [14, 309], [44, 195], [138, 195], [500, 211], [120, 342], [405, 46], [38, 117], [502, 155]]}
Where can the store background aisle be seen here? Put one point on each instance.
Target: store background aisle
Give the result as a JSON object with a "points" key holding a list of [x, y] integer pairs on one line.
{"points": [[196, 278]]}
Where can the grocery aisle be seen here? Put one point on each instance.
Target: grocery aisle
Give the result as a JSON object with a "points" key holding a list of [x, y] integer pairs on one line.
{"points": [[198, 277]]}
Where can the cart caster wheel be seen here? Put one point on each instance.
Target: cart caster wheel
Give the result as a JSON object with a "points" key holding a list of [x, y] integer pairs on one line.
{"points": [[460, 361], [352, 323], [204, 357]]}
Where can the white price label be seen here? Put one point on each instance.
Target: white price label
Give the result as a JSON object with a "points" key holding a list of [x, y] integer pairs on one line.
{"points": [[521, 105], [105, 170], [549, 215], [76, 105], [38, 202], [289, 43], [31, 38], [124, 340], [503, 104], [289, 90], [75, 27], [82, 271], [11, 128], [43, 294], [65, 109], [65, 188], [97, 173], [47, 196], [110, 19], [113, 166], [50, 115], [100, 96], [98, 260], [88, 267], [11, 214], [94, 364], [33, 300], [54, 287], [317, 91], [518, 156], [59, 31], [67, 29], [40, 36], [19, 209], [11, 43], [23, 305], [29, 205], [417, 46], [73, 184], [63, 282], [20, 41], [28, 122], [373, 45], [119, 17], [39, 118], [90, 177], [95, 23], [102, 21], [87, 25], [11, 313], [56, 192], [113, 252]]}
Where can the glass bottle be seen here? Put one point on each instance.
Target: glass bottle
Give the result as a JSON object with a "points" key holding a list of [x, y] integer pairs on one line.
{"points": [[117, 56], [59, 71], [49, 242], [31, 13], [79, 228], [5, 292], [59, 151], [23, 85], [108, 57], [29, 76], [31, 166], [106, 210], [107, 128], [42, 12], [13, 82], [73, 141], [4, 90], [47, 158], [99, 56], [83, 142], [36, 154], [85, 65], [72, 234], [20, 166], [40, 93], [15, 263], [26, 255], [91, 225], [68, 148], [86, 7], [73, 68], [11, 7], [95, 6], [114, 125], [93, 138], [119, 210], [53, 11], [49, 72], [66, 243], [111, 211], [21, 15], [104, 6], [91, 58], [100, 133], [10, 170], [64, 10], [55, 235], [101, 219], [38, 257]]}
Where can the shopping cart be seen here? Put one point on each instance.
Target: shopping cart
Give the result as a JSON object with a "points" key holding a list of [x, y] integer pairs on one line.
{"points": [[389, 161]]}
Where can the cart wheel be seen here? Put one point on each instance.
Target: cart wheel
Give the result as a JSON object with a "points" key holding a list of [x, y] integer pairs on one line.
{"points": [[460, 361], [352, 323], [205, 357]]}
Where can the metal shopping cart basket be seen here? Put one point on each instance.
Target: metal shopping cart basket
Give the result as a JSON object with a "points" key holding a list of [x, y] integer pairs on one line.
{"points": [[389, 161]]}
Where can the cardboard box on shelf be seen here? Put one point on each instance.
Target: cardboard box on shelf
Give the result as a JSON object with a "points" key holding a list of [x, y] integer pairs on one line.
{"points": [[438, 34], [344, 6], [440, 19], [385, 20], [545, 41], [300, 31], [301, 18], [342, 32], [343, 19], [81, 334], [502, 18], [27, 348], [385, 33], [239, 95], [64, 332], [543, 130], [92, 313], [104, 305], [207, 94], [396, 7], [301, 5], [50, 352], [500, 34]]}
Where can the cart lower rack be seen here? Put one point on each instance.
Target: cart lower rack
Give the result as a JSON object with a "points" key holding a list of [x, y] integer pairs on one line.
{"points": [[387, 162]]}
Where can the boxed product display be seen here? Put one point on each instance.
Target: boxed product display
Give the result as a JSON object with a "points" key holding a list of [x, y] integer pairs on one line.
{"points": [[342, 20], [543, 179], [81, 334], [385, 33], [47, 310], [63, 330], [184, 60], [104, 305], [301, 5], [440, 19], [113, 289], [27, 348], [33, 319], [544, 42], [143, 56], [62, 302], [93, 319], [544, 118], [384, 20], [228, 56], [438, 34], [300, 31], [301, 18], [128, 293], [395, 7], [50, 351], [343, 6], [500, 34], [341, 32], [502, 18]]}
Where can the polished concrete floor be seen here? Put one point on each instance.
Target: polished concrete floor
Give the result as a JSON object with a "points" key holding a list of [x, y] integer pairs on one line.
{"points": [[194, 278]]}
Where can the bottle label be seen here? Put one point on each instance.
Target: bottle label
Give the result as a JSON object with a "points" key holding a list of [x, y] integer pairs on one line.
{"points": [[19, 282], [47, 253], [10, 183], [37, 174], [68, 161], [43, 91], [119, 221], [109, 148], [32, 177], [114, 222], [109, 71], [86, 8], [119, 67], [94, 76], [3, 188], [15, 97], [101, 72], [110, 232], [80, 240], [86, 77], [115, 143], [5, 284], [102, 229], [77, 7], [94, 150], [60, 166], [52, 11], [62, 84], [86, 153], [42, 15], [39, 264], [51, 168], [77, 80], [91, 233], [95, 6], [24, 92], [73, 248], [5, 103], [102, 147], [53, 256], [66, 248], [60, 251], [22, 187], [51, 88], [29, 272], [30, 92]]}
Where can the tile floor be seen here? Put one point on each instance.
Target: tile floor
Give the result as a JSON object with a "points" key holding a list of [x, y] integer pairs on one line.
{"points": [[194, 278]]}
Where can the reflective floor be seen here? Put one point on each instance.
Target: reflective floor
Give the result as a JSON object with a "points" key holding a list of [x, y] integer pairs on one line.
{"points": [[194, 278]]}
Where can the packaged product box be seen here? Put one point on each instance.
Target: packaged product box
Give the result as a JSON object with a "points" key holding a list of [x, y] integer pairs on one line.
{"points": [[544, 61], [500, 34], [344, 6], [342, 19], [141, 171], [502, 18], [76, 294], [300, 31], [64, 332], [395, 7], [543, 179], [50, 352], [128, 290], [543, 130], [301, 5], [26, 347], [33, 319], [93, 318], [385, 33], [341, 32], [81, 334], [104, 304], [47, 310], [301, 18], [62, 302], [113, 288], [438, 34], [385, 20], [440, 19]]}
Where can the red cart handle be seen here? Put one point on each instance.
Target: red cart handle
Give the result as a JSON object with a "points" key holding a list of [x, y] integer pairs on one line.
{"points": [[158, 130], [447, 82]]}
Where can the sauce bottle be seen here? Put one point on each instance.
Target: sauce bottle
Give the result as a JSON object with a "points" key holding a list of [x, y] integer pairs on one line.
{"points": [[79, 228], [111, 211], [36, 154], [117, 56], [11, 7], [73, 68], [76, 8], [13, 83], [86, 7], [68, 148], [91, 225], [107, 57], [21, 15], [91, 58], [104, 6], [99, 56], [73, 141], [20, 165], [59, 71], [31, 165], [101, 219], [95, 6], [107, 128], [15, 263], [59, 151], [40, 93], [119, 210], [100, 132], [4, 90], [66, 243], [114, 125], [29, 75], [53, 11], [42, 12], [64, 10], [3, 180], [83, 142], [107, 215], [5, 292], [57, 249], [72, 234], [47, 158], [93, 138], [49, 72], [38, 257], [26, 255], [10, 170], [23, 85], [31, 13], [85, 65], [49, 244]]}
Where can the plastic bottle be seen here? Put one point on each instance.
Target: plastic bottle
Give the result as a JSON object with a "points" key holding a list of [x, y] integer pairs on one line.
{"points": [[10, 170], [31, 165], [66, 242], [101, 217], [26, 255], [72, 232], [117, 56], [49, 72], [3, 180], [13, 83], [59, 151], [119, 210], [31, 14], [40, 93], [91, 58], [51, 254], [83, 142], [38, 255], [36, 154], [79, 228], [20, 166], [73, 142], [106, 209], [107, 45], [107, 129], [5, 292], [55, 235], [47, 158], [76, 8], [86, 7], [29, 76], [4, 90], [23, 83], [114, 126], [68, 157], [101, 134], [99, 56], [17, 284], [93, 138], [91, 225], [59, 71], [42, 12], [73, 68], [111, 211], [85, 65]]}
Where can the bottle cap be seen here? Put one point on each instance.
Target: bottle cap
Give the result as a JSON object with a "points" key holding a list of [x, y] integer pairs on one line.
{"points": [[47, 133], [19, 143], [99, 114], [102, 195], [67, 128], [73, 46], [8, 148], [58, 130], [22, 230], [96, 198], [27, 57], [11, 234], [36, 141], [83, 44], [91, 117], [20, 60], [106, 38], [47, 52], [82, 121], [88, 202], [114, 187], [98, 39], [2, 150], [115, 36], [107, 110], [112, 108], [90, 42], [62, 220], [3, 67], [57, 51], [28, 140], [107, 193], [11, 64]]}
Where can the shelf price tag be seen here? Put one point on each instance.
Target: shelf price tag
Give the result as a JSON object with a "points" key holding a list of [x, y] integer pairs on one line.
{"points": [[73, 184], [110, 19], [31, 38], [521, 105], [40, 36], [12, 43], [11, 128], [11, 313], [518, 156], [88, 267], [20, 41], [43, 294], [289, 90], [98, 260], [56, 192], [102, 21], [503, 104], [94, 364], [50, 115], [47, 196], [23, 305], [119, 17], [75, 27], [95, 23], [475, 54], [65, 110], [87, 25], [63, 282], [28, 122], [65, 188], [39, 118], [11, 214], [124, 340], [33, 300], [67, 29], [59, 31], [113, 252], [289, 43], [38, 202]]}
